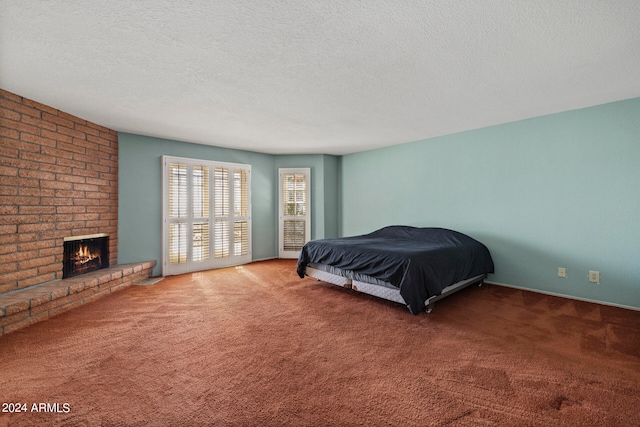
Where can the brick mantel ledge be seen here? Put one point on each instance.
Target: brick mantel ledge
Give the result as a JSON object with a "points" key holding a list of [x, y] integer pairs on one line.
{"points": [[24, 307]]}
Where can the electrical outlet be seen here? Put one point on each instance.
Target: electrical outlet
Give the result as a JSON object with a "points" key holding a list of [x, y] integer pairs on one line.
{"points": [[562, 272], [594, 276]]}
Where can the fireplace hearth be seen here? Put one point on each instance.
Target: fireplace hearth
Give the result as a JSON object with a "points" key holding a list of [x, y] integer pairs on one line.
{"points": [[84, 254]]}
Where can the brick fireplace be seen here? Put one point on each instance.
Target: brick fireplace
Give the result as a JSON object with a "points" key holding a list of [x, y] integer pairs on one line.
{"points": [[58, 180], [58, 187]]}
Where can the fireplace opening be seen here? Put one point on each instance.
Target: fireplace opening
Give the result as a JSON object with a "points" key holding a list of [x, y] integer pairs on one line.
{"points": [[84, 254]]}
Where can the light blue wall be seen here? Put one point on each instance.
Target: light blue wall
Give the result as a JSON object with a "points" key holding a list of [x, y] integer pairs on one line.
{"points": [[331, 196], [324, 190], [553, 191], [556, 191], [140, 194]]}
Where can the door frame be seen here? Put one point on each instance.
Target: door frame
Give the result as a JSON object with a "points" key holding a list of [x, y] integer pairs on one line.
{"points": [[211, 262], [281, 216]]}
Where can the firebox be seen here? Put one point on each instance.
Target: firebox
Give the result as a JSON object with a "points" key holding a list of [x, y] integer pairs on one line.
{"points": [[83, 254]]}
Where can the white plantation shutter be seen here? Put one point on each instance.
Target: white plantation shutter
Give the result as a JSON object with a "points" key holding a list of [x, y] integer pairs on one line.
{"points": [[222, 238], [206, 215], [201, 202], [178, 243], [241, 212], [221, 209], [200, 241], [241, 192], [221, 192], [295, 218], [295, 234], [178, 190], [178, 213], [240, 237], [200, 191]]}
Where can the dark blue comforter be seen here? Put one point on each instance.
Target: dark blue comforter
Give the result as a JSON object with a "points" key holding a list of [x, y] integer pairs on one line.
{"points": [[421, 262]]}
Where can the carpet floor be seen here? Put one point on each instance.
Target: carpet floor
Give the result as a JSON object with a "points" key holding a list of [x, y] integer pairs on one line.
{"points": [[258, 346]]}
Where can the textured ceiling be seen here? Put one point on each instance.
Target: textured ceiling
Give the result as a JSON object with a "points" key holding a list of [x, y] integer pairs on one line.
{"points": [[317, 76]]}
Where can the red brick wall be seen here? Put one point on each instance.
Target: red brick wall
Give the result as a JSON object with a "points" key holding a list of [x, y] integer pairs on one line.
{"points": [[58, 178]]}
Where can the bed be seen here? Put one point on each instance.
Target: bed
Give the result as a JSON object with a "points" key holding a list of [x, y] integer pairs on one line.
{"points": [[409, 265]]}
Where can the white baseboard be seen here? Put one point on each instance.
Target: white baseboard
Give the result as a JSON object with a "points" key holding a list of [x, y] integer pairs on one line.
{"points": [[264, 259], [554, 294]]}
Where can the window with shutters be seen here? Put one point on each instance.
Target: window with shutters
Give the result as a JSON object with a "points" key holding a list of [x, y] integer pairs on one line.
{"points": [[206, 215], [295, 218]]}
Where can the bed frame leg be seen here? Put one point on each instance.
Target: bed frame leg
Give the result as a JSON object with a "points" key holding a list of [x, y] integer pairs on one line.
{"points": [[428, 308]]}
